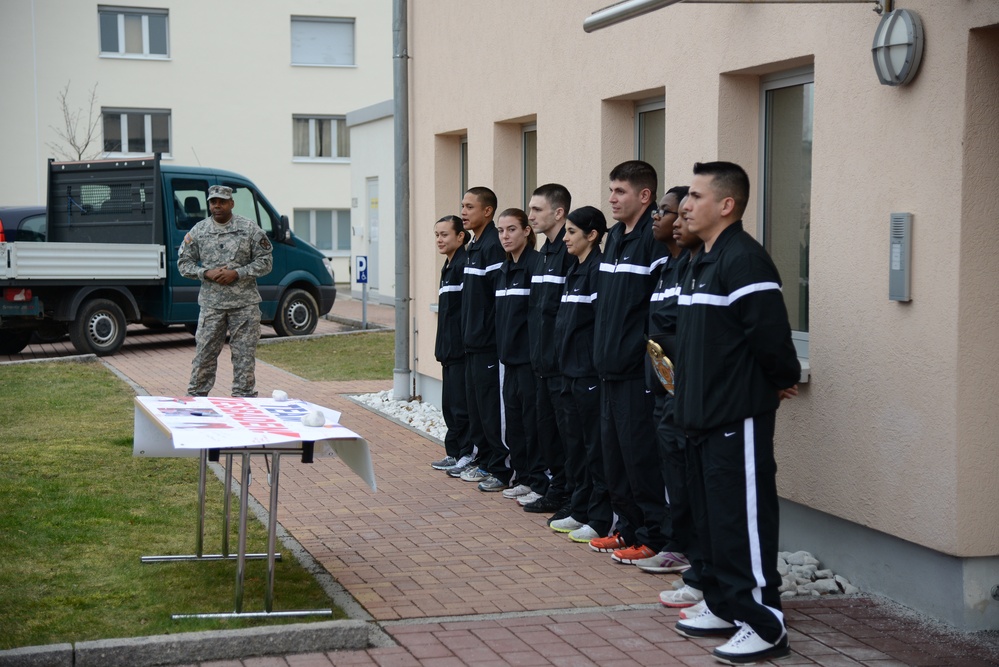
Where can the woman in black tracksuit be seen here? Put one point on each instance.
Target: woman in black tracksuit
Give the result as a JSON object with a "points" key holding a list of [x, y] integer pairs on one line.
{"points": [[449, 348], [574, 340], [513, 291]]}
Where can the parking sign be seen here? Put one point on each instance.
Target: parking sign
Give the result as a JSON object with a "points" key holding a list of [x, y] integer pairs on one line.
{"points": [[362, 269]]}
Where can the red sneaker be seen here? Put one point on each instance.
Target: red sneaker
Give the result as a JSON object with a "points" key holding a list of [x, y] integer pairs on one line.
{"points": [[607, 544], [632, 554]]}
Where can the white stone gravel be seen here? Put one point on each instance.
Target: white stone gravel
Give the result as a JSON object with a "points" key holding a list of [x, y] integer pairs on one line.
{"points": [[799, 570], [423, 416]]}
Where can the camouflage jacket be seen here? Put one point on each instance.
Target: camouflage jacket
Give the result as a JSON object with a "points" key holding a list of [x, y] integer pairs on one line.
{"points": [[240, 245]]}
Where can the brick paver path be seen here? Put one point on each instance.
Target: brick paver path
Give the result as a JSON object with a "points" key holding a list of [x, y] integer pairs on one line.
{"points": [[459, 577]]}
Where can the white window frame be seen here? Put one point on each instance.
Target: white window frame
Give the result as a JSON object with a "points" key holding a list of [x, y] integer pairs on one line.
{"points": [[328, 252], [324, 19], [144, 13], [643, 107], [463, 166], [147, 130], [795, 77], [334, 139], [525, 186]]}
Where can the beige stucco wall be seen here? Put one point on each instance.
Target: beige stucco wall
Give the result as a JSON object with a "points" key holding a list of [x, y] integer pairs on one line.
{"points": [[896, 430], [228, 83]]}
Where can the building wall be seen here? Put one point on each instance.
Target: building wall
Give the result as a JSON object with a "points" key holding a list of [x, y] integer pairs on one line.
{"points": [[228, 83], [894, 432], [372, 140]]}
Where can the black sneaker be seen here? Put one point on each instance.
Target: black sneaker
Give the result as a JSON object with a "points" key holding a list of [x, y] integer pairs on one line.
{"points": [[564, 512], [543, 505], [446, 462]]}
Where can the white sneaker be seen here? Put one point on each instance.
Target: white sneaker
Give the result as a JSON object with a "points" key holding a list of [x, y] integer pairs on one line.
{"points": [[691, 612], [747, 647], [566, 525], [705, 624], [528, 498], [683, 597], [664, 562], [583, 535], [517, 491], [461, 463]]}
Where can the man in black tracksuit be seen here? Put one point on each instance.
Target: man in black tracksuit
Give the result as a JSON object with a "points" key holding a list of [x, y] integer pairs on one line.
{"points": [[629, 271], [478, 320], [548, 208], [736, 361]]}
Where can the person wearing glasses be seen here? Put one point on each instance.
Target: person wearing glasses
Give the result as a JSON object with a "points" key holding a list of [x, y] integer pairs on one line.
{"points": [[662, 331]]}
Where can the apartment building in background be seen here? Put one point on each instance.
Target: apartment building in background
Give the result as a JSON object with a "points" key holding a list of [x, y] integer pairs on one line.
{"points": [[888, 458], [260, 88]]}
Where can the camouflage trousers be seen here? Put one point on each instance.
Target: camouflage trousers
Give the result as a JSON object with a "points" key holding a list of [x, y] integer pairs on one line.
{"points": [[243, 327]]}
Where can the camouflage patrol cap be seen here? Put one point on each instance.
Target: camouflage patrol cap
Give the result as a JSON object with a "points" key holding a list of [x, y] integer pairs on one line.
{"points": [[220, 192]]}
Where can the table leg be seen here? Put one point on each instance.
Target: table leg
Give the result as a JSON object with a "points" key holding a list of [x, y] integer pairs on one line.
{"points": [[227, 503], [272, 532], [244, 495]]}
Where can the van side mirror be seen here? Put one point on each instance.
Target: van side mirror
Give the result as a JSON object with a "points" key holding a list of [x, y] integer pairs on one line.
{"points": [[283, 231]]}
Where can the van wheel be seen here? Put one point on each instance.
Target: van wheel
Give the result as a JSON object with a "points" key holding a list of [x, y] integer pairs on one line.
{"points": [[297, 314], [99, 328], [12, 342]]}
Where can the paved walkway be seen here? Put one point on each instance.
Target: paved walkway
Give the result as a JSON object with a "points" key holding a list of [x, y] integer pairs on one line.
{"points": [[459, 577]]}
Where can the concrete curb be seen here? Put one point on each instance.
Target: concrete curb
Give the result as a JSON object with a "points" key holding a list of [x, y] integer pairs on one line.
{"points": [[191, 647], [51, 655], [222, 644]]}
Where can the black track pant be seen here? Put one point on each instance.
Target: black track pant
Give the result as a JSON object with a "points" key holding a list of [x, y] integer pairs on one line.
{"points": [[454, 405], [733, 494], [482, 385], [631, 461]]}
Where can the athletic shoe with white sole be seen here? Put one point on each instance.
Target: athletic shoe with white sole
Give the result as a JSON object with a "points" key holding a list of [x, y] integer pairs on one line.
{"points": [[464, 464], [746, 647], [664, 562], [705, 624], [566, 525], [492, 484], [631, 555], [528, 498], [474, 475], [444, 463], [685, 596], [517, 491], [583, 535]]}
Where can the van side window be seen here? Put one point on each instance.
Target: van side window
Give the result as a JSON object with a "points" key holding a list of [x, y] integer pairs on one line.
{"points": [[190, 204], [249, 206]]}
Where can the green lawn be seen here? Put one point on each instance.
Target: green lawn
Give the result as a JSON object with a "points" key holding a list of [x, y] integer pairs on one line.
{"points": [[79, 511], [360, 356]]}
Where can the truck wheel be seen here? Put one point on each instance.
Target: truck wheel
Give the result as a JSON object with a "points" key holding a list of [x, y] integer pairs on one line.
{"points": [[12, 342], [99, 328], [297, 314]]}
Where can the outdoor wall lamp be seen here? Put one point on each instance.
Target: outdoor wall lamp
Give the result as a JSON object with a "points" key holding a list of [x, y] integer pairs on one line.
{"points": [[898, 47]]}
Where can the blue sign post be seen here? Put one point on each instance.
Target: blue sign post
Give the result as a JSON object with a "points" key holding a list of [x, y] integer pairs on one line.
{"points": [[361, 271]]}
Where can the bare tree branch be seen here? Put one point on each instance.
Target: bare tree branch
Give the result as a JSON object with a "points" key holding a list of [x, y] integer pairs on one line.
{"points": [[77, 144]]}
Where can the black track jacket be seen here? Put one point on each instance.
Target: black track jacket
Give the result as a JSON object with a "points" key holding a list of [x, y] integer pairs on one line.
{"points": [[478, 301], [513, 290], [734, 348], [553, 263], [576, 315], [449, 347], [628, 273]]}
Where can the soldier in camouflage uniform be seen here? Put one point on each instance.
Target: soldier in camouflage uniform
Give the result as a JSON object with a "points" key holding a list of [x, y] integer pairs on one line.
{"points": [[227, 253]]}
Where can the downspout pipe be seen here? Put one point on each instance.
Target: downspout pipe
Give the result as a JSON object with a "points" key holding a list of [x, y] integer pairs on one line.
{"points": [[401, 375]]}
